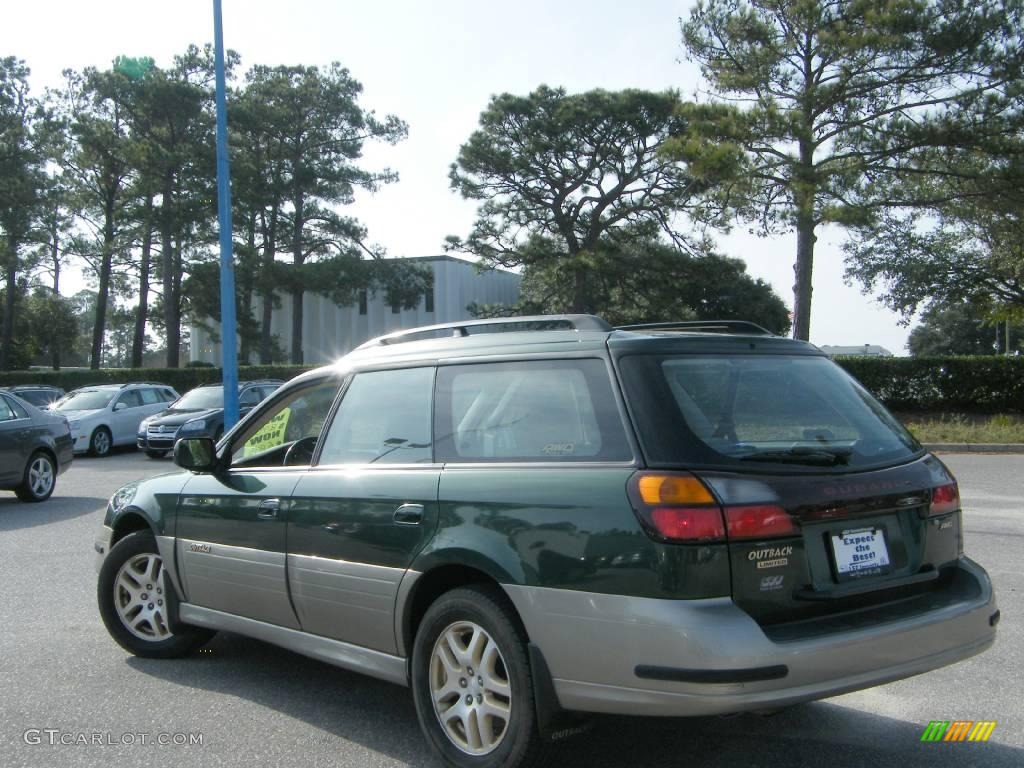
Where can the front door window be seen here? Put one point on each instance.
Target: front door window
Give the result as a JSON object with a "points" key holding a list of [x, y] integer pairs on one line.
{"points": [[287, 433]]}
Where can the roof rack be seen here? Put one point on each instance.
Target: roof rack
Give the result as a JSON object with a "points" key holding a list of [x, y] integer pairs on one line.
{"points": [[706, 326], [493, 325]]}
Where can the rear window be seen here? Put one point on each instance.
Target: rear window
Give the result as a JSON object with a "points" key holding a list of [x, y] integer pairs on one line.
{"points": [[541, 410], [754, 410]]}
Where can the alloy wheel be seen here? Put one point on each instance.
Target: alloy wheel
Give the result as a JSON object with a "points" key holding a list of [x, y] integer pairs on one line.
{"points": [[40, 476], [470, 688], [139, 597]]}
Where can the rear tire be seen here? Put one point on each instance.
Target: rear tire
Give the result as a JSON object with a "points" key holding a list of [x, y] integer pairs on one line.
{"points": [[471, 683], [136, 601], [101, 442], [40, 478]]}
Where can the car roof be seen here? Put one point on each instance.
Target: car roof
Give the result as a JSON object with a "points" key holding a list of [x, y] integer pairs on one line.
{"points": [[254, 382], [558, 334]]}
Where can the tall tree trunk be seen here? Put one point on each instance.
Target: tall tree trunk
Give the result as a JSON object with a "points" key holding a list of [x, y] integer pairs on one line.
{"points": [[171, 328], [55, 255], [805, 194], [174, 335], [11, 287], [142, 311], [267, 287], [246, 287], [802, 272], [579, 291], [298, 257], [103, 289]]}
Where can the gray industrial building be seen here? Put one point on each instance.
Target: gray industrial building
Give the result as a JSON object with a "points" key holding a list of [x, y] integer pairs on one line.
{"points": [[329, 331]]}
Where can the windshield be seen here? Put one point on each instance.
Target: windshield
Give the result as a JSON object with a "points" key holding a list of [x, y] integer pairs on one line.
{"points": [[201, 398], [752, 410], [87, 400]]}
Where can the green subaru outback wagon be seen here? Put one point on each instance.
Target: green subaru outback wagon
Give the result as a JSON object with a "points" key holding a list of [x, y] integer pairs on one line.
{"points": [[528, 518]]}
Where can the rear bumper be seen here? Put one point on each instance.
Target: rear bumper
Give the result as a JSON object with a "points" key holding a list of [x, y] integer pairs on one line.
{"points": [[702, 657]]}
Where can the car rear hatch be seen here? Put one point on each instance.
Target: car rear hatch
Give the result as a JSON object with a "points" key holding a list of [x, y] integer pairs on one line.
{"points": [[831, 511]]}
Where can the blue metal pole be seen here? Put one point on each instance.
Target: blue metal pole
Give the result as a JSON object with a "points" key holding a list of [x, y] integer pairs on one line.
{"points": [[229, 341]]}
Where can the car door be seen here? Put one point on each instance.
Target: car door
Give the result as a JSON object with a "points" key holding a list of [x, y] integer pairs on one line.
{"points": [[366, 508], [125, 418], [231, 525], [152, 402], [14, 433]]}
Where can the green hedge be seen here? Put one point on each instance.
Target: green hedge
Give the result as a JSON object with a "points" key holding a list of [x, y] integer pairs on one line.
{"points": [[952, 384], [182, 379], [981, 384]]}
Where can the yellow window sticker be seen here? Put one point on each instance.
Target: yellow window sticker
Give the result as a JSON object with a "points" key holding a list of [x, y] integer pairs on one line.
{"points": [[270, 435]]}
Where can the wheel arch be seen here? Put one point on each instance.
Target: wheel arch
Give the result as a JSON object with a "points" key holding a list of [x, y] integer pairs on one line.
{"points": [[420, 589], [130, 521], [49, 451], [428, 586]]}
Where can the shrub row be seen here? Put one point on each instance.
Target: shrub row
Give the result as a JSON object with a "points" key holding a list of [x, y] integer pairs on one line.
{"points": [[959, 384], [981, 384], [182, 379]]}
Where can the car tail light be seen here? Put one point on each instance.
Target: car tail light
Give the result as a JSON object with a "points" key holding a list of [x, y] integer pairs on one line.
{"points": [[758, 522], [945, 499], [679, 508], [688, 523]]}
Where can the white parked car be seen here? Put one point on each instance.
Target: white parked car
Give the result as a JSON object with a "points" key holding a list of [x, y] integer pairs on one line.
{"points": [[109, 415]]}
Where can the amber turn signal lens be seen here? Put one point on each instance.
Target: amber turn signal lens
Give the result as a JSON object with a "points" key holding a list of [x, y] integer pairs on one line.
{"points": [[673, 489]]}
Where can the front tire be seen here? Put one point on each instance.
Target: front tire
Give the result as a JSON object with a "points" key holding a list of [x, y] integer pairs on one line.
{"points": [[40, 478], [101, 442], [471, 682], [135, 601]]}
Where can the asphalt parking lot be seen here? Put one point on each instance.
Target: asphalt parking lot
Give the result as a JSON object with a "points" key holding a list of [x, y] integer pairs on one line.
{"points": [[62, 677]]}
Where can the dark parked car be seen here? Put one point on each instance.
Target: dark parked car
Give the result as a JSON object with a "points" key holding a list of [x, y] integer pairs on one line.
{"points": [[35, 447], [198, 413], [42, 396], [522, 517]]}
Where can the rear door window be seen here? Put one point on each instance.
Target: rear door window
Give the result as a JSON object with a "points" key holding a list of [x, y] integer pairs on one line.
{"points": [[384, 418], [150, 396], [130, 399], [537, 410], [6, 412]]}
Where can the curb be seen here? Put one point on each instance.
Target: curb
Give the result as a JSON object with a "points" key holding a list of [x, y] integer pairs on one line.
{"points": [[975, 447]]}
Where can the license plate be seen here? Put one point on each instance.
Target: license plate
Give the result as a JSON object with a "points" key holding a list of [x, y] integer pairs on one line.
{"points": [[860, 552]]}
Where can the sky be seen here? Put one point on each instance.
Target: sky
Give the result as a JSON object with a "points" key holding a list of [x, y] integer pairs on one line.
{"points": [[436, 64]]}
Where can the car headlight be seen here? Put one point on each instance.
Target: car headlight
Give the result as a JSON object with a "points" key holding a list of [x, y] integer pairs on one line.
{"points": [[123, 497], [196, 425]]}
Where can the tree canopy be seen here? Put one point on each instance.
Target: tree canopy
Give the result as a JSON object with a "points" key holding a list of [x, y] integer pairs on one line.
{"points": [[961, 328], [643, 280], [828, 102], [561, 176]]}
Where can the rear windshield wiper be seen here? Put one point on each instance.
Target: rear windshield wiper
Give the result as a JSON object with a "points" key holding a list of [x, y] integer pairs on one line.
{"points": [[824, 457]]}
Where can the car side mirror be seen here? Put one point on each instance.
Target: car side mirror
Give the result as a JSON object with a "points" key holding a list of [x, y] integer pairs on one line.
{"points": [[197, 454], [120, 406]]}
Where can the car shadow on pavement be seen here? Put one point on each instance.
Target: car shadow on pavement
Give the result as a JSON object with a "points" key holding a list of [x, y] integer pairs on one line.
{"points": [[380, 717], [15, 514]]}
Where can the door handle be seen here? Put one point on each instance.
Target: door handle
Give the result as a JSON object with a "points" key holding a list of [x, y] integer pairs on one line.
{"points": [[409, 514], [267, 510]]}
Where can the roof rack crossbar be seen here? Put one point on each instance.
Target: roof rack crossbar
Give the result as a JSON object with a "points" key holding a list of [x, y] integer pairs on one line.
{"points": [[710, 326], [493, 325]]}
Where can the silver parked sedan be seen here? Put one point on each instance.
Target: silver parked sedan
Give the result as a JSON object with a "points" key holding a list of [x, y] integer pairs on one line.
{"points": [[35, 447]]}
